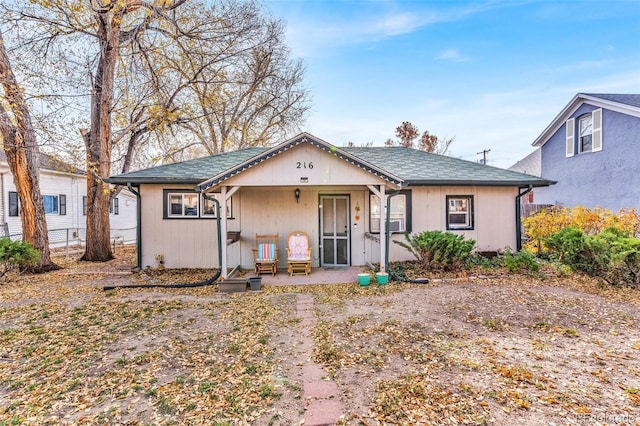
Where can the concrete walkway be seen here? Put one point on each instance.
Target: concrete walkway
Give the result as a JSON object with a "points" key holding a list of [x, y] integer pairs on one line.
{"points": [[320, 393], [317, 276]]}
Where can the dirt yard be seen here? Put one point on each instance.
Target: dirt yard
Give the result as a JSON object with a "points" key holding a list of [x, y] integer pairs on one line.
{"points": [[499, 351]]}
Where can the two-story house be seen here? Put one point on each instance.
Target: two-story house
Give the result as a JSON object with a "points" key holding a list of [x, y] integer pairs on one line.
{"points": [[592, 150]]}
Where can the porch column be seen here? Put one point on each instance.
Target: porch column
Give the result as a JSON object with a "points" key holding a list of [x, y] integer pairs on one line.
{"points": [[383, 222], [383, 227], [223, 229]]}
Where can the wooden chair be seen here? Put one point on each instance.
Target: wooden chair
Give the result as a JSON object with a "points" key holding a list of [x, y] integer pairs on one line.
{"points": [[298, 253], [265, 255]]}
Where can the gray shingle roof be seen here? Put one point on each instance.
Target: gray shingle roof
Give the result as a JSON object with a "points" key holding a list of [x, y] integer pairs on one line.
{"points": [[423, 168], [188, 172], [627, 99], [411, 166]]}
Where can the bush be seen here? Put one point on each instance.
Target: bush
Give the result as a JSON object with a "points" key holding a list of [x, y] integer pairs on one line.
{"points": [[438, 250], [611, 255], [14, 255], [521, 261], [568, 246], [543, 224]]}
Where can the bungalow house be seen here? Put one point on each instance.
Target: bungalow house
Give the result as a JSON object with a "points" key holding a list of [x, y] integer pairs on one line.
{"points": [[64, 190], [592, 149], [338, 196]]}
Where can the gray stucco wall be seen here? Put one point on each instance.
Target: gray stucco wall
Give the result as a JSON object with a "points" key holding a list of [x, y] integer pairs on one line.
{"points": [[609, 178]]}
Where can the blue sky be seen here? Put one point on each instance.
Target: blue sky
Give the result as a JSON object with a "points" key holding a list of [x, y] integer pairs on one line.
{"points": [[492, 74]]}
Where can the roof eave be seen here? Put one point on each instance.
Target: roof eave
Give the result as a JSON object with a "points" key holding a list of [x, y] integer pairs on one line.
{"points": [[578, 100], [151, 180], [467, 182]]}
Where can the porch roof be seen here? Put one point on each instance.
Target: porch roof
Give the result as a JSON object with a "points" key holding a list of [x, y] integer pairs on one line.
{"points": [[398, 165]]}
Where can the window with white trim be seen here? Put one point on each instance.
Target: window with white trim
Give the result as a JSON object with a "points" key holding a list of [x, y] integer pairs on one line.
{"points": [[585, 133], [191, 205], [459, 212], [182, 204], [399, 215], [50, 204], [209, 206]]}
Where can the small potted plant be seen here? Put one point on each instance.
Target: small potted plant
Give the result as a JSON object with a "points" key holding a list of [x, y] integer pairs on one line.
{"points": [[382, 278], [364, 279]]}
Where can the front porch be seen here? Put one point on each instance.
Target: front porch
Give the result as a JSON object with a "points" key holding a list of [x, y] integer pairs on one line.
{"points": [[317, 276]]}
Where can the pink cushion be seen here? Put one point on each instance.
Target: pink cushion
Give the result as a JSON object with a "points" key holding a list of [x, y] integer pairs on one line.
{"points": [[298, 247]]}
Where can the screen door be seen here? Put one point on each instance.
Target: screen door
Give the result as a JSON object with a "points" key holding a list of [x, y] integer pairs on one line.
{"points": [[335, 231]]}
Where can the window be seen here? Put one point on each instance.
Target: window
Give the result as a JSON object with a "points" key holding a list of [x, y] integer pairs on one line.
{"points": [[183, 205], [585, 133], [189, 204], [14, 210], [399, 215], [63, 205], [209, 207], [84, 205], [114, 206], [50, 204], [459, 212]]}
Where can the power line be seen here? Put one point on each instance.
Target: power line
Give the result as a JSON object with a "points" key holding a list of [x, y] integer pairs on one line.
{"points": [[484, 153]]}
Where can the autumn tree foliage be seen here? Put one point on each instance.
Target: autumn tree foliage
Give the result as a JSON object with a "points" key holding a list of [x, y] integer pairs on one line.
{"points": [[19, 142], [543, 224], [407, 134]]}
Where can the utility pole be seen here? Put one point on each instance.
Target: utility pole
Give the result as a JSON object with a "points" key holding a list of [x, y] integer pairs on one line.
{"points": [[484, 153]]}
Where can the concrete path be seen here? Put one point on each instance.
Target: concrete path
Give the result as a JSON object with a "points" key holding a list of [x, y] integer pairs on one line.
{"points": [[320, 393]]}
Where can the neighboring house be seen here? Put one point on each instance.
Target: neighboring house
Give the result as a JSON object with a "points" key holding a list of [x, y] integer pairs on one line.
{"points": [[336, 195], [592, 150], [63, 188]]}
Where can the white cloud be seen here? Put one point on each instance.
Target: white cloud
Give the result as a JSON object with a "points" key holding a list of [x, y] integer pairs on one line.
{"points": [[308, 34], [395, 24], [453, 55]]}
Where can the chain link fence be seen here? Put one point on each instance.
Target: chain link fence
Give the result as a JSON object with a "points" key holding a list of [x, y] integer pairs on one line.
{"points": [[66, 239]]}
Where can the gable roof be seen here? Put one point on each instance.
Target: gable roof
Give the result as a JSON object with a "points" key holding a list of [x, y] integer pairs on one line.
{"points": [[287, 145], [624, 103], [397, 165], [531, 164], [49, 162]]}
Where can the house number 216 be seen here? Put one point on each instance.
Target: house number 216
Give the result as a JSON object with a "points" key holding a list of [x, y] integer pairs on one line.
{"points": [[304, 165]]}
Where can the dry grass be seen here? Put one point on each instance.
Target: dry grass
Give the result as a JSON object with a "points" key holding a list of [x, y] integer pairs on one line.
{"points": [[461, 350]]}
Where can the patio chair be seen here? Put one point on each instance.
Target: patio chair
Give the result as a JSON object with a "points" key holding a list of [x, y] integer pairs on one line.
{"points": [[265, 255], [298, 253]]}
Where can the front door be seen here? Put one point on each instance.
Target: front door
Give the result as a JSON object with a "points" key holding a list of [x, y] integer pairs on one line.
{"points": [[335, 232]]}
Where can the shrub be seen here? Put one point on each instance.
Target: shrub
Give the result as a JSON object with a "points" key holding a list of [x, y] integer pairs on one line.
{"points": [[611, 255], [438, 250], [568, 246], [521, 261], [14, 255], [543, 224]]}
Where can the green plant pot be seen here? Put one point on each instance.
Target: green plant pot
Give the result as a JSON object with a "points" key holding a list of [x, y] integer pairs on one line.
{"points": [[364, 279], [382, 278]]}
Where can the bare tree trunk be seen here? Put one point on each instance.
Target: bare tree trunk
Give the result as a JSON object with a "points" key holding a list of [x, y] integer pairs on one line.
{"points": [[98, 139], [19, 142]]}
